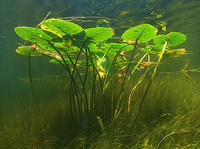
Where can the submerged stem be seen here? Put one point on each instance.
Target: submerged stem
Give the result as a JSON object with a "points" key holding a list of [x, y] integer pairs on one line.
{"points": [[124, 80], [149, 84], [31, 82]]}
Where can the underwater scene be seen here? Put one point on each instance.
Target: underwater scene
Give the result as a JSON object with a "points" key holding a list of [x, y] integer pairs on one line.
{"points": [[100, 74]]}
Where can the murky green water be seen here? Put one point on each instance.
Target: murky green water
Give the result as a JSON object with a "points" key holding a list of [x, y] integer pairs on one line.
{"points": [[180, 15]]}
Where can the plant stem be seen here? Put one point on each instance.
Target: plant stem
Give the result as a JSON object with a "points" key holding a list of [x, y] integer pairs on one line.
{"points": [[31, 82], [124, 80], [149, 84]]}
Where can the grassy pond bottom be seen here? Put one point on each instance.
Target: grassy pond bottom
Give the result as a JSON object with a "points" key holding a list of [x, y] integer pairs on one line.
{"points": [[169, 119]]}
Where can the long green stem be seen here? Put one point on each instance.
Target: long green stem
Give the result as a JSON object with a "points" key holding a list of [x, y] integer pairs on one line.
{"points": [[110, 67], [150, 82], [85, 79], [124, 80], [82, 83], [95, 69], [136, 85], [31, 82], [70, 74]]}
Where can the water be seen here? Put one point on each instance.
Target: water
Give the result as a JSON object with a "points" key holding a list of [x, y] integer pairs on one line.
{"points": [[181, 16]]}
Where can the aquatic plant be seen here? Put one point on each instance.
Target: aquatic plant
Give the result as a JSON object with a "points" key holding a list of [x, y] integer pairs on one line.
{"points": [[98, 69]]}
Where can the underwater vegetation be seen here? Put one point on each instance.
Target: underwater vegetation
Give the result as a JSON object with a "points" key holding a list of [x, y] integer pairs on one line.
{"points": [[98, 70], [109, 81], [169, 115]]}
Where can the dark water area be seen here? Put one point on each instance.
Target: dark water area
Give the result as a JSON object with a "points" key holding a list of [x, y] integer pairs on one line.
{"points": [[181, 16]]}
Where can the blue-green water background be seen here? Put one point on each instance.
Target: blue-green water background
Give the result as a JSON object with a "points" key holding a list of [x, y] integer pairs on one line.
{"points": [[181, 15]]}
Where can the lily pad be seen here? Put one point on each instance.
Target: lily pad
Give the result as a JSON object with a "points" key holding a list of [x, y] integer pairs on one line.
{"points": [[26, 50], [142, 33], [173, 39], [61, 27], [36, 36], [32, 34], [160, 39], [99, 34], [176, 38]]}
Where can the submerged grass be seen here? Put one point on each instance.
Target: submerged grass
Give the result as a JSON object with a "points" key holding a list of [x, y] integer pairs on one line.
{"points": [[169, 119]]}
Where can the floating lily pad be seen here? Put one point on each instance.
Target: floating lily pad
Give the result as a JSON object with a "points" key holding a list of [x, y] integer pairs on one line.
{"points": [[176, 38], [26, 50], [99, 34], [173, 39], [142, 33], [32, 34], [160, 39], [61, 27], [36, 36], [79, 39]]}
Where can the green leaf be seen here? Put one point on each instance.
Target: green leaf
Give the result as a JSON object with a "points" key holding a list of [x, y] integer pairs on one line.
{"points": [[115, 47], [144, 32], [160, 39], [63, 46], [61, 27], [153, 48], [147, 48], [104, 52], [175, 38], [92, 46], [32, 34], [25, 50], [110, 49], [36, 36], [79, 39], [99, 34]]}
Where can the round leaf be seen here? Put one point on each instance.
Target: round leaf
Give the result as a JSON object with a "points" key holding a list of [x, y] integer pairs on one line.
{"points": [[61, 27], [25, 50], [99, 34], [142, 33], [175, 38], [32, 34], [160, 39], [36, 36]]}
